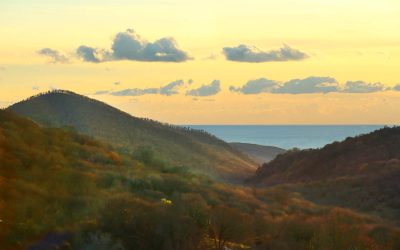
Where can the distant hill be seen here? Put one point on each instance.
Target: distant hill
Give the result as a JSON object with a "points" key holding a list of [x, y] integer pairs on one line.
{"points": [[361, 172], [198, 150], [261, 154]]}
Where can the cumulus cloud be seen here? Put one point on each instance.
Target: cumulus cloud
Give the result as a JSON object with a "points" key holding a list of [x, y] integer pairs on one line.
{"points": [[130, 46], [362, 87], [88, 54], [251, 54], [308, 85], [127, 45], [172, 88], [206, 90], [54, 55], [256, 86]]}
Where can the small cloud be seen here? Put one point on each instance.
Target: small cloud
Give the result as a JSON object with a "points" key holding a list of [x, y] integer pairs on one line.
{"points": [[135, 92], [2, 68], [167, 90], [251, 54], [256, 86], [206, 90], [308, 85], [397, 87], [210, 57], [102, 92], [88, 54], [129, 45], [54, 55], [117, 83], [362, 87], [35, 87], [171, 88]]}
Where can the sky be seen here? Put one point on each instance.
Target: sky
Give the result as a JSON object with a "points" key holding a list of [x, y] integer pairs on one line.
{"points": [[210, 62]]}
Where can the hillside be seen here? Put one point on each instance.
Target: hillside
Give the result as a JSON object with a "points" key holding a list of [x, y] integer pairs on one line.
{"points": [[198, 150], [62, 190], [361, 172], [261, 154]]}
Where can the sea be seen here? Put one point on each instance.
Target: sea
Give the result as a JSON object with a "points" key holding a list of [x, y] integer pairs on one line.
{"points": [[286, 136]]}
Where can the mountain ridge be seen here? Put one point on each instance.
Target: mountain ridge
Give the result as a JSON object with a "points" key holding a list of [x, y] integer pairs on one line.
{"points": [[361, 172], [198, 150]]}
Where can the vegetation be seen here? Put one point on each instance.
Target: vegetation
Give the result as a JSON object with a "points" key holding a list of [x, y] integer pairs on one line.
{"points": [[198, 150], [362, 173], [61, 190]]}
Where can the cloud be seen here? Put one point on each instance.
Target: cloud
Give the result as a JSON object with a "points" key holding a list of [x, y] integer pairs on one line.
{"points": [[256, 86], [362, 87], [54, 55], [308, 85], [35, 87], [127, 45], [206, 90], [171, 88], [210, 57], [88, 54], [130, 46], [251, 54], [135, 92], [101, 92], [117, 83], [167, 90]]}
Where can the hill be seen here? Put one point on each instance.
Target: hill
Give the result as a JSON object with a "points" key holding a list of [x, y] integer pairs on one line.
{"points": [[261, 154], [62, 190], [361, 172], [198, 150]]}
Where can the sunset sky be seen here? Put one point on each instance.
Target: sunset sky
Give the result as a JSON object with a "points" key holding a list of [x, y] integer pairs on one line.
{"points": [[210, 62]]}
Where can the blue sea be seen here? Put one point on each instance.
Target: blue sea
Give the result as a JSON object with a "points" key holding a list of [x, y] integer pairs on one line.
{"points": [[287, 136]]}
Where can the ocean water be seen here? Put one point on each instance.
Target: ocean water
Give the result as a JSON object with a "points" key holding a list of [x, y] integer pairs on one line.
{"points": [[287, 136]]}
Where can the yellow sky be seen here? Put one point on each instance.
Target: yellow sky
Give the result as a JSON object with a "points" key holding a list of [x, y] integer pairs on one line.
{"points": [[346, 40]]}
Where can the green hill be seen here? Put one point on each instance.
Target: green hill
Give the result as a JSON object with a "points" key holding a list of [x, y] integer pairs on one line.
{"points": [[61, 190], [361, 173], [198, 150]]}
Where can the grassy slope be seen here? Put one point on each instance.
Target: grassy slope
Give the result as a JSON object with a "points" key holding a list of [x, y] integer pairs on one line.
{"points": [[196, 149], [87, 195], [361, 173]]}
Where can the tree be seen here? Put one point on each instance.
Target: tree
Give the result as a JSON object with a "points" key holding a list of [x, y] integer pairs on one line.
{"points": [[227, 224]]}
